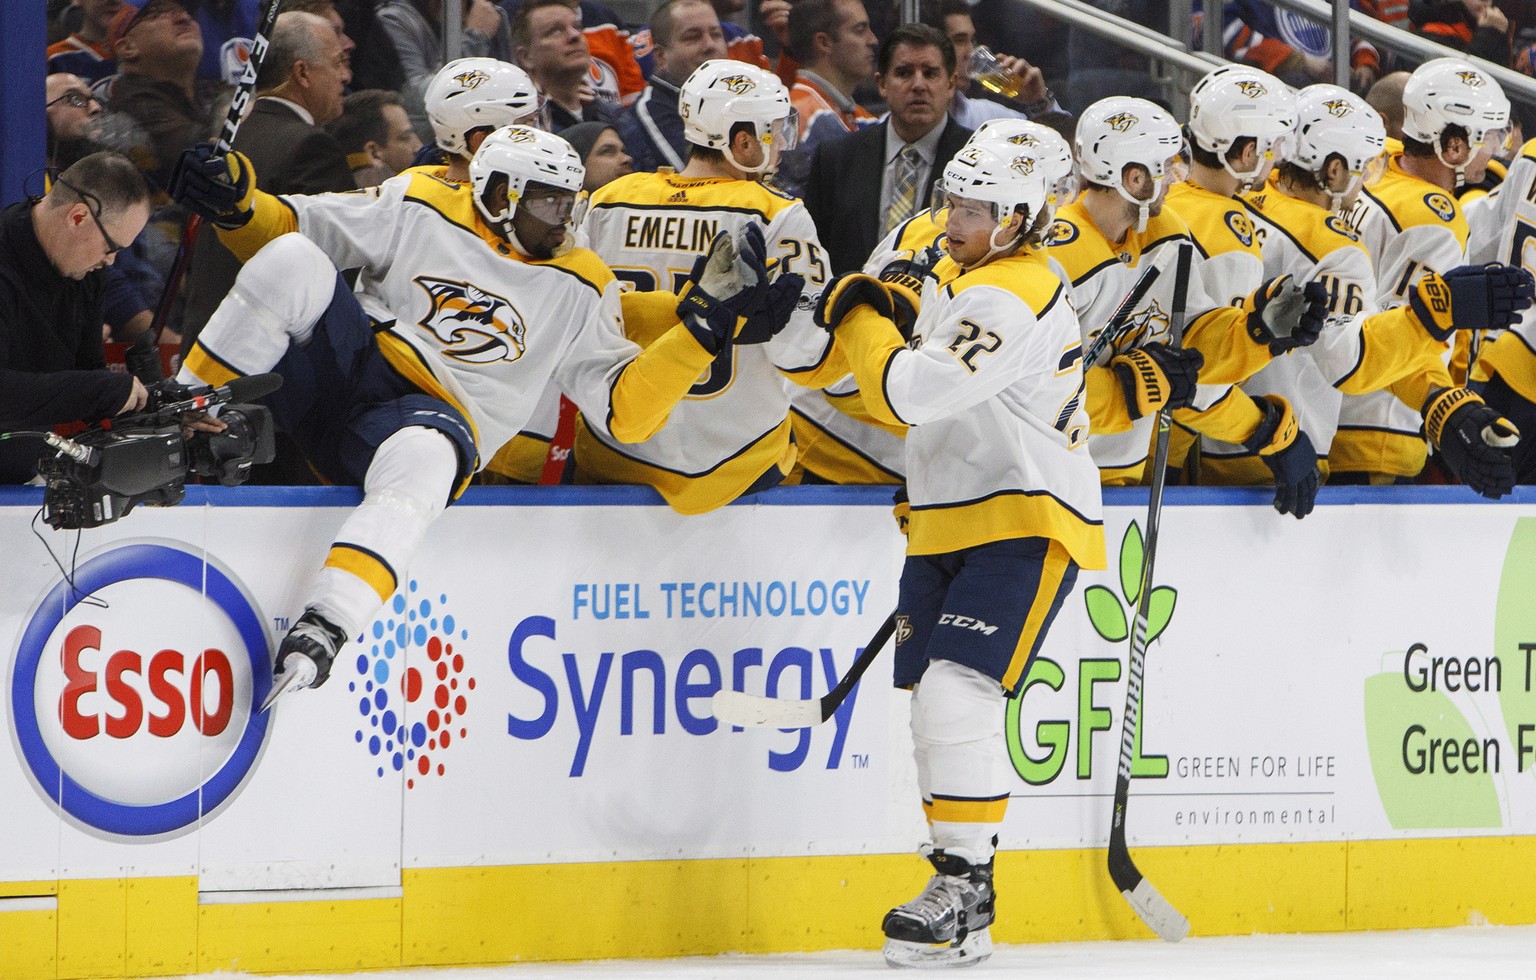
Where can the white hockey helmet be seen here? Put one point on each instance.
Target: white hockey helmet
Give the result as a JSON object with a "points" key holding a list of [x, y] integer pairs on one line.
{"points": [[1333, 120], [1051, 150], [1452, 92], [478, 93], [1116, 132], [1000, 175], [722, 93], [1236, 102], [522, 155]]}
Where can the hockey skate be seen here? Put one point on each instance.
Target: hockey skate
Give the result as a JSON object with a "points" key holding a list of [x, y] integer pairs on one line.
{"points": [[947, 925], [305, 657]]}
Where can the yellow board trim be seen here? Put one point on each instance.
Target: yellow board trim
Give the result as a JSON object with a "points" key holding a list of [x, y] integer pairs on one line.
{"points": [[370, 568], [647, 909]]}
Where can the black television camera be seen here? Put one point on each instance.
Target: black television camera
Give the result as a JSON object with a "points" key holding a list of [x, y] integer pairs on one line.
{"points": [[104, 472]]}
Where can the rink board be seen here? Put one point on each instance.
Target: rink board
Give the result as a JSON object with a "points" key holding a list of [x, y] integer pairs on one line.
{"points": [[517, 760]]}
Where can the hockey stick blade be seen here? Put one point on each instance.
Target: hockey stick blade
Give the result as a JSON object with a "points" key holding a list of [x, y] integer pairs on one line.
{"points": [[300, 674], [755, 711], [1156, 911]]}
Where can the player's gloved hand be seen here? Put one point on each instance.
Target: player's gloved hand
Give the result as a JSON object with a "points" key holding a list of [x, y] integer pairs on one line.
{"points": [[220, 187], [903, 279], [721, 293], [901, 509], [1156, 376], [1471, 297], [777, 297], [1288, 453], [1474, 440], [845, 292], [1286, 314]]}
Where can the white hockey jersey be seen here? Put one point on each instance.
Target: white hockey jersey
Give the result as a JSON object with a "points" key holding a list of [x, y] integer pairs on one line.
{"points": [[1511, 354]]}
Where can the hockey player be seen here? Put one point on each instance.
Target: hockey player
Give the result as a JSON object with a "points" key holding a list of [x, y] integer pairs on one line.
{"points": [[469, 313], [1099, 245], [731, 435], [1454, 116], [996, 537], [470, 98]]}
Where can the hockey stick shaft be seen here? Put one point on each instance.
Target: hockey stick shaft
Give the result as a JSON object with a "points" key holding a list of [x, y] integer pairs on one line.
{"points": [[1121, 320], [245, 91], [752, 711], [1154, 910]]}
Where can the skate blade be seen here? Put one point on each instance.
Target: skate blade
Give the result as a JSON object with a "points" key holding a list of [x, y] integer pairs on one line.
{"points": [[300, 673], [973, 949]]}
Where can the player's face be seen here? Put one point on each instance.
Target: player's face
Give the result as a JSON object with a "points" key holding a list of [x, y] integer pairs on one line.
{"points": [[542, 218], [968, 229], [1144, 187]]}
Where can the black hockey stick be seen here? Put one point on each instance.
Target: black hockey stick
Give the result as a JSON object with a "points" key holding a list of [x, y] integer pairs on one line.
{"points": [[245, 90], [756, 711], [1154, 909]]}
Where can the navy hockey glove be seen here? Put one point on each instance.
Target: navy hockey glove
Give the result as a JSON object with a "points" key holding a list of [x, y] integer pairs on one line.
{"points": [[1285, 314], [1471, 297], [1156, 376], [1288, 453], [221, 188], [1474, 439], [903, 279], [776, 298], [721, 293], [845, 292]]}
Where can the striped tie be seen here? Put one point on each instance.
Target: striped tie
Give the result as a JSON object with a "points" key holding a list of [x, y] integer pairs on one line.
{"points": [[904, 198]]}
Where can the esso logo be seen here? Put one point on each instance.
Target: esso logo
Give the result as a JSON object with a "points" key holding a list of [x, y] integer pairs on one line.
{"points": [[134, 691]]}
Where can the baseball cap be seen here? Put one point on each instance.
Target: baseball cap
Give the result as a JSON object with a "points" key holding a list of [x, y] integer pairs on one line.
{"points": [[131, 14]]}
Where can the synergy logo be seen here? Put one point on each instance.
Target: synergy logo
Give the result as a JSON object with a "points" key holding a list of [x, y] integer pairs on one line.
{"points": [[436, 692], [137, 718]]}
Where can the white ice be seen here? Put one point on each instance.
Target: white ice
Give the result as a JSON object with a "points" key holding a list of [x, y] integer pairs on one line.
{"points": [[1481, 952]]}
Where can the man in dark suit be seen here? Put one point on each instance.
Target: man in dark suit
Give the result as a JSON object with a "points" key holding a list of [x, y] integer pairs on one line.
{"points": [[864, 184], [298, 91]]}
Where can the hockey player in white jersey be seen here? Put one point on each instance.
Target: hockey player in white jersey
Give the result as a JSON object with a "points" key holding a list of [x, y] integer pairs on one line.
{"points": [[731, 435], [1099, 245], [1454, 116], [996, 537], [469, 314], [468, 99]]}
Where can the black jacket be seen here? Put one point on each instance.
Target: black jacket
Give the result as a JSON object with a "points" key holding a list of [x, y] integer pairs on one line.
{"points": [[51, 366]]}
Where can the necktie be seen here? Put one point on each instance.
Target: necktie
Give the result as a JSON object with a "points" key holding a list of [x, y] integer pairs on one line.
{"points": [[904, 196]]}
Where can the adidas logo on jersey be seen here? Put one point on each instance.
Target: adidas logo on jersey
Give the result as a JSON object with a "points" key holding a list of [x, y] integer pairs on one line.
{"points": [[681, 197]]}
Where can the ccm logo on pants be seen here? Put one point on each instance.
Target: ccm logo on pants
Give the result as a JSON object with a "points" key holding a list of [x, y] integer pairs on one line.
{"points": [[966, 623]]}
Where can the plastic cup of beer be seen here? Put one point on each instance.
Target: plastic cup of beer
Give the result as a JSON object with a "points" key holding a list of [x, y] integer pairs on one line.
{"points": [[986, 69]]}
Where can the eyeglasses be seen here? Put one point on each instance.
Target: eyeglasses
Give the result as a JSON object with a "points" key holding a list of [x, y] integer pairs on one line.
{"points": [[93, 208], [77, 99]]}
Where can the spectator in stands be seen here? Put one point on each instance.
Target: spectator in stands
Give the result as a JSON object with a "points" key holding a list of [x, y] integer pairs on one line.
{"points": [[774, 16], [74, 115], [1293, 48], [602, 151], [864, 184], [684, 35], [1476, 27], [414, 29], [54, 256], [1386, 97], [158, 47], [1035, 100], [552, 48], [740, 43], [617, 75], [833, 43], [375, 134], [326, 9], [86, 52]]}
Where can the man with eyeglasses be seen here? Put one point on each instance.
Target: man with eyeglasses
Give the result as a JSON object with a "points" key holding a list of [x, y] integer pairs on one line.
{"points": [[74, 118], [54, 255]]}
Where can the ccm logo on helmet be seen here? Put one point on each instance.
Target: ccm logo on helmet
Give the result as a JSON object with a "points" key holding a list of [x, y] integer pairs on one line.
{"points": [[138, 719]]}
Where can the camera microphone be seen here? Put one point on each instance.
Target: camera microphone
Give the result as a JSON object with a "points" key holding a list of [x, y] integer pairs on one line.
{"points": [[245, 389]]}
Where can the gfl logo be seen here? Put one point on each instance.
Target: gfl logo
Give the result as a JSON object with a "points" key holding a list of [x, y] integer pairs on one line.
{"points": [[133, 710]]}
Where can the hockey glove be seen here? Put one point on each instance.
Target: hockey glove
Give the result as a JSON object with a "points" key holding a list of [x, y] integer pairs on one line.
{"points": [[1288, 453], [1471, 297], [901, 509], [903, 279], [218, 187], [1157, 376], [776, 298], [1285, 314], [845, 292], [1474, 440], [721, 293]]}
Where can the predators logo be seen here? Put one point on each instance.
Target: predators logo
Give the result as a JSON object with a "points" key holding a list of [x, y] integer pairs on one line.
{"points": [[1151, 324], [1471, 79], [1251, 89], [1023, 139], [1441, 206], [1023, 166], [472, 79], [1062, 232], [737, 84], [1337, 108], [903, 624], [475, 326], [521, 134], [1121, 122]]}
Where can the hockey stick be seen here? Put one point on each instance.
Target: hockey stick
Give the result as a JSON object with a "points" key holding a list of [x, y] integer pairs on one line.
{"points": [[1154, 909], [245, 90], [756, 711]]}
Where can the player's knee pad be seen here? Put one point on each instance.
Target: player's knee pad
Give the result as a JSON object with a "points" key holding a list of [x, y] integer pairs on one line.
{"points": [[290, 280], [955, 705]]}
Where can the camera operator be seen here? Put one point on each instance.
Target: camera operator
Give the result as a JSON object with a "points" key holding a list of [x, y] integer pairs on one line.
{"points": [[54, 254]]}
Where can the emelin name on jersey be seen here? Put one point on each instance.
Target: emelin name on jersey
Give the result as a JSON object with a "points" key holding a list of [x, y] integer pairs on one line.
{"points": [[670, 233]]}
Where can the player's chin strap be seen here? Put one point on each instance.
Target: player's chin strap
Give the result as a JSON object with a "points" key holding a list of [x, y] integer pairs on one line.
{"points": [[1460, 168], [1143, 208], [997, 249], [1336, 199]]}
